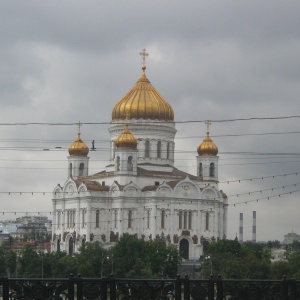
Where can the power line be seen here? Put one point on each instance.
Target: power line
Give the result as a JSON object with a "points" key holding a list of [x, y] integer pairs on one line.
{"points": [[151, 122]]}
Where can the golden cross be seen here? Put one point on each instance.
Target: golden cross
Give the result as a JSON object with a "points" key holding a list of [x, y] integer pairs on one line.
{"points": [[79, 125], [144, 54], [207, 123]]}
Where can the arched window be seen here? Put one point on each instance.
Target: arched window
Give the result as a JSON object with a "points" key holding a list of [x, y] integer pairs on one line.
{"points": [[81, 168], [97, 218], [159, 149], [212, 170], [200, 170], [118, 163], [147, 149], [162, 220], [129, 164], [207, 221], [130, 218], [168, 150]]}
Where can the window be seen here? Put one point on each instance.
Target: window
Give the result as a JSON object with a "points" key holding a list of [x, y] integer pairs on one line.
{"points": [[185, 220], [212, 170], [97, 218], [129, 164], [200, 170], [68, 219], [207, 221], [168, 150], [81, 168], [130, 218], [58, 219], [180, 220], [83, 218], [159, 149], [147, 149], [116, 218], [118, 163], [190, 220], [148, 218], [162, 220], [70, 169]]}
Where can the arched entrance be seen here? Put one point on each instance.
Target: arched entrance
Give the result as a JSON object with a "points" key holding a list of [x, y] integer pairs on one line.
{"points": [[184, 248], [58, 245], [71, 246]]}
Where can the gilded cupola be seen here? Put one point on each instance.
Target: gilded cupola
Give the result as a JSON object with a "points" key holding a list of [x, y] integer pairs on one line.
{"points": [[143, 102], [78, 148], [126, 140], [207, 147]]}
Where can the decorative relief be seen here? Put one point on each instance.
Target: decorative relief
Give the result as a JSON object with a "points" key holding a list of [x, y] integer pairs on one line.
{"points": [[130, 192], [70, 190], [186, 190], [163, 192], [208, 194]]}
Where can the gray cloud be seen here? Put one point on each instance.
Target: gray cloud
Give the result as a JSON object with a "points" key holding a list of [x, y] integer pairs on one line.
{"points": [[69, 61]]}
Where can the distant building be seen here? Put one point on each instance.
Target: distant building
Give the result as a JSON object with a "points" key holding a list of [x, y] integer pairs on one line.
{"points": [[291, 237], [278, 255]]}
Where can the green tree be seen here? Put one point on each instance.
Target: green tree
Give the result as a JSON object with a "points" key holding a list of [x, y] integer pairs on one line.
{"points": [[135, 257], [29, 263], [234, 260]]}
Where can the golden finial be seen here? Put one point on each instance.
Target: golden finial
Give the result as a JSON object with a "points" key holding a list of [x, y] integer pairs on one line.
{"points": [[79, 125], [207, 123], [144, 54]]}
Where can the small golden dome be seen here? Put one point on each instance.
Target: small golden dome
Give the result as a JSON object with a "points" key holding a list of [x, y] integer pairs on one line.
{"points": [[126, 140], [143, 102], [78, 148], [207, 147]]}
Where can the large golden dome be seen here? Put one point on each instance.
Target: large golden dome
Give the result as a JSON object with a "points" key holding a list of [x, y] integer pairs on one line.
{"points": [[126, 140], [207, 147], [143, 102], [78, 148]]}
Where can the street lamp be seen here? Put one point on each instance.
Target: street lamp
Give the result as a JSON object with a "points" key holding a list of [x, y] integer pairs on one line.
{"points": [[210, 258]]}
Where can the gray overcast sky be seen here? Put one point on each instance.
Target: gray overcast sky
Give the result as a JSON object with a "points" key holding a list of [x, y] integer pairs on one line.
{"points": [[65, 61]]}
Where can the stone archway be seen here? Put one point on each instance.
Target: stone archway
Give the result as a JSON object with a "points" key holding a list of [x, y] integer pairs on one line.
{"points": [[184, 248]]}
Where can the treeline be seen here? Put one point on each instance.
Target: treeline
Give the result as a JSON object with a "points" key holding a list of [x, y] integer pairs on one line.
{"points": [[136, 258], [129, 258], [234, 260]]}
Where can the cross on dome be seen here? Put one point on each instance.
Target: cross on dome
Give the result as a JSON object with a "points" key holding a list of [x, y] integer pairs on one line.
{"points": [[207, 123], [144, 54], [79, 124]]}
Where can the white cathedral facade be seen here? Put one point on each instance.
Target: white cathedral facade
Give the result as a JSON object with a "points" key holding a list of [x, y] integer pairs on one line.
{"points": [[140, 192]]}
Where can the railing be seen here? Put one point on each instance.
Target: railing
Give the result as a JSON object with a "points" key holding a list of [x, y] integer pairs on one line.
{"points": [[148, 289]]}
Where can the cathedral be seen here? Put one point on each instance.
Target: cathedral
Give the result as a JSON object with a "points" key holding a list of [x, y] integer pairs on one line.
{"points": [[140, 192]]}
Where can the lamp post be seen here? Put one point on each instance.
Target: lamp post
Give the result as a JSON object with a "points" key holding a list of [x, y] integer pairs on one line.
{"points": [[210, 258]]}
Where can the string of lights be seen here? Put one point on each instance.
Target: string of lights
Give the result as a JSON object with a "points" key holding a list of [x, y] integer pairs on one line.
{"points": [[183, 202]]}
